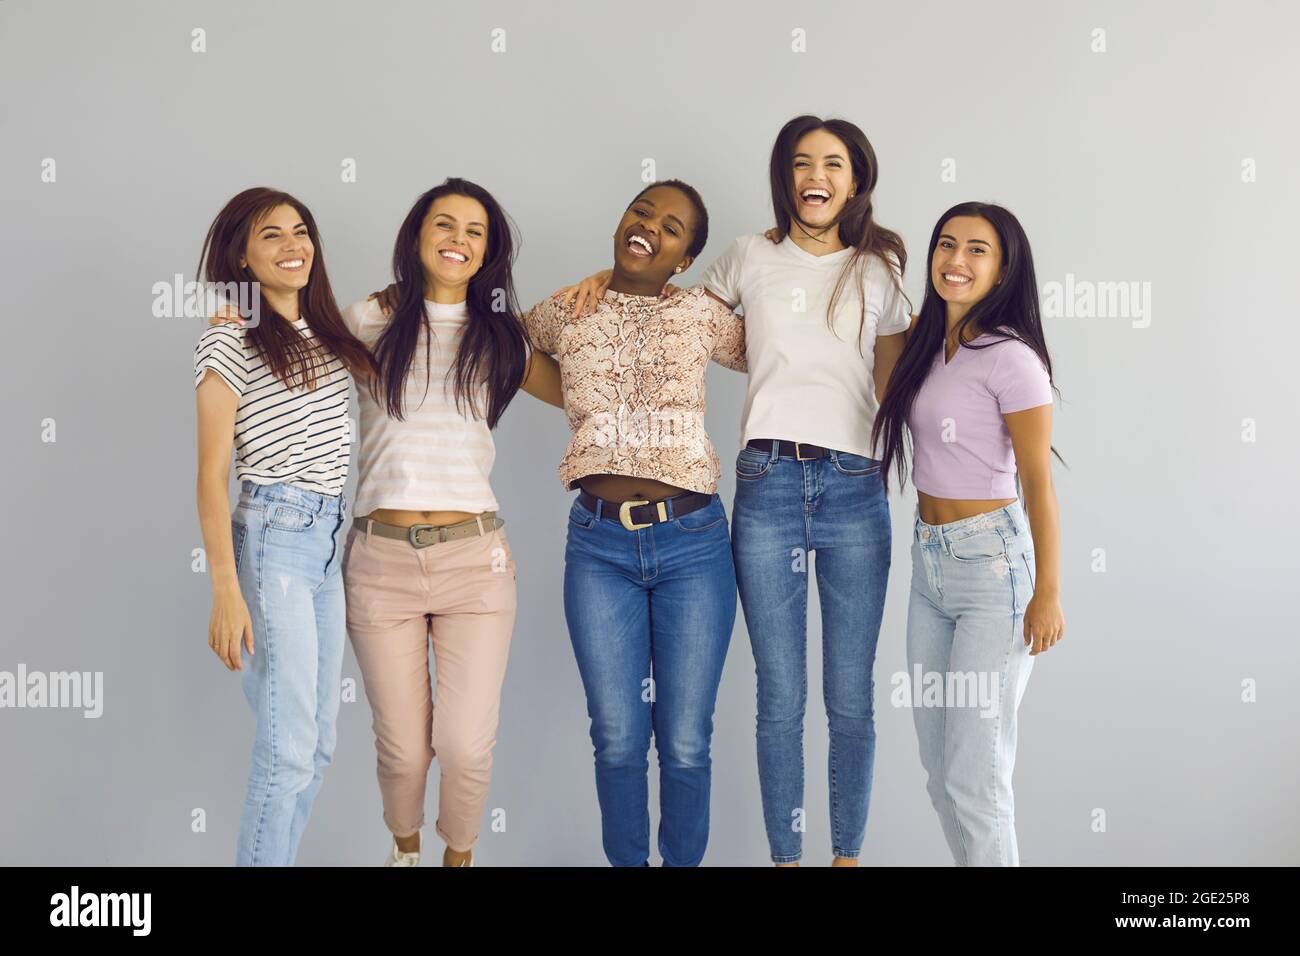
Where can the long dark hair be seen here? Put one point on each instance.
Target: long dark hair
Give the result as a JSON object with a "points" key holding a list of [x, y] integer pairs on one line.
{"points": [[1009, 311], [857, 225], [291, 357], [493, 349]]}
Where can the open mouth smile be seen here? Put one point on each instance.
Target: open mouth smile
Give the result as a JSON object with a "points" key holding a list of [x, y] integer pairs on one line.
{"points": [[640, 246]]}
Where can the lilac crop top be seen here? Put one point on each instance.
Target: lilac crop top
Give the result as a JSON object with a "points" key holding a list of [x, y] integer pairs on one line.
{"points": [[960, 443]]}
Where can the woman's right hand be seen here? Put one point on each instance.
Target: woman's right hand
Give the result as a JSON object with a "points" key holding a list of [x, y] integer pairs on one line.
{"points": [[229, 626], [387, 299], [583, 297]]}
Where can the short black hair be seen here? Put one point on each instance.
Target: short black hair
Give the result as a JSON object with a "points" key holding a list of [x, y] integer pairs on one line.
{"points": [[700, 236]]}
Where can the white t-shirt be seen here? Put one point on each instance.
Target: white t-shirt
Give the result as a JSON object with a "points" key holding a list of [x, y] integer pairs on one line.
{"points": [[807, 382], [437, 458]]}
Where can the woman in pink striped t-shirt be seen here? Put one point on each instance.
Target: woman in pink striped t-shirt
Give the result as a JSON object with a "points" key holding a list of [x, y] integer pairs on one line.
{"points": [[427, 557]]}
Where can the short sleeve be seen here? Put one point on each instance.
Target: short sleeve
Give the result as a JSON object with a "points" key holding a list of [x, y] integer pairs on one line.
{"points": [[1018, 379], [221, 348], [543, 323], [723, 275], [354, 317], [728, 333], [894, 314], [365, 320]]}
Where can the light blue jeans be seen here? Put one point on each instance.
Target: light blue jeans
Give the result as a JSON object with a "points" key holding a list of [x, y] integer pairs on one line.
{"points": [[288, 551], [967, 668]]}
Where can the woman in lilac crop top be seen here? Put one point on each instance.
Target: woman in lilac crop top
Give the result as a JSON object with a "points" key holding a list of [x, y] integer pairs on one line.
{"points": [[973, 391]]}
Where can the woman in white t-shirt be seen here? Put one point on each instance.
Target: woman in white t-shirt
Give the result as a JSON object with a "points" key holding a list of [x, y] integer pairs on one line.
{"points": [[824, 311]]}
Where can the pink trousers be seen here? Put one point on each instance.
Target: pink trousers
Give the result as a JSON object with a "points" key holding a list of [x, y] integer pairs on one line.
{"points": [[461, 595]]}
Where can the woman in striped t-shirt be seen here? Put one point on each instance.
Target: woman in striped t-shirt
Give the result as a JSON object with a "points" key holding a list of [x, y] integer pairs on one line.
{"points": [[277, 392], [426, 558]]}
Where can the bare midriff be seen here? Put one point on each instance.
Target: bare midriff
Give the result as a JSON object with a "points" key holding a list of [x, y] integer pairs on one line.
{"points": [[946, 510], [407, 519], [627, 488]]}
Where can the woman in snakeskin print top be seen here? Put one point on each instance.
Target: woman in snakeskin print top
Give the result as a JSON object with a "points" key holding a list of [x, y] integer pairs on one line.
{"points": [[649, 584]]}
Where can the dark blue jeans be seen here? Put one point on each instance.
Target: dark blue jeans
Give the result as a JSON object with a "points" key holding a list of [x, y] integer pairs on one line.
{"points": [[786, 508], [650, 614]]}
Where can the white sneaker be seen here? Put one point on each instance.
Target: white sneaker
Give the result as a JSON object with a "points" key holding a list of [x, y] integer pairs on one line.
{"points": [[397, 858]]}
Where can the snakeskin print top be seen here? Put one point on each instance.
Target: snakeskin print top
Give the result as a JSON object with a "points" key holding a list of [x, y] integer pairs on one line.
{"points": [[633, 379]]}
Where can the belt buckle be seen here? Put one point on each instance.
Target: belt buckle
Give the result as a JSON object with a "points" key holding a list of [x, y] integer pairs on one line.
{"points": [[625, 514], [414, 535], [799, 455]]}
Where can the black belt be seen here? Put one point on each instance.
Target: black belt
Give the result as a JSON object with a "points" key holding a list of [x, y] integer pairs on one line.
{"points": [[641, 512], [790, 449]]}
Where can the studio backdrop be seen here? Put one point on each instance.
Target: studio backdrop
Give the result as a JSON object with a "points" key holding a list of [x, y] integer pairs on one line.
{"points": [[1149, 150]]}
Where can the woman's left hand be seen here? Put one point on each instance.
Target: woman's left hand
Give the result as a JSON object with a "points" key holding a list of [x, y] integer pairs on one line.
{"points": [[1044, 623]]}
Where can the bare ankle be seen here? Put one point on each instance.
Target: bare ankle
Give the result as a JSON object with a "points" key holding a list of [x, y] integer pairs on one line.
{"points": [[452, 857]]}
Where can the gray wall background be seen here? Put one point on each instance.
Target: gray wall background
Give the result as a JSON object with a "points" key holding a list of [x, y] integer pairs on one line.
{"points": [[1124, 166]]}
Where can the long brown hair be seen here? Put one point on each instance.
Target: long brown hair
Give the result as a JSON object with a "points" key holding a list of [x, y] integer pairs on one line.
{"points": [[291, 357], [858, 227]]}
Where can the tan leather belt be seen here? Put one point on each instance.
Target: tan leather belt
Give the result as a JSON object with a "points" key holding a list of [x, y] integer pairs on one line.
{"points": [[424, 535]]}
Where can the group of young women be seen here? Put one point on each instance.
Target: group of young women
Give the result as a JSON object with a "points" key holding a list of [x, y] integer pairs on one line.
{"points": [[843, 386]]}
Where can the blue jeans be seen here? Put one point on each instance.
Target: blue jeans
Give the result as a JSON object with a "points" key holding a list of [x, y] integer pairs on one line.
{"points": [[786, 508], [288, 551], [650, 614], [971, 581]]}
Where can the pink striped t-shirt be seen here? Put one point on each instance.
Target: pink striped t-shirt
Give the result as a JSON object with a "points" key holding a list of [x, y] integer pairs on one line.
{"points": [[437, 458]]}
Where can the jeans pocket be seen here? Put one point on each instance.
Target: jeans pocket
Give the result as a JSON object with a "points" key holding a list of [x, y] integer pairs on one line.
{"points": [[703, 519], [284, 517], [580, 515], [982, 546], [752, 464], [238, 532], [855, 465]]}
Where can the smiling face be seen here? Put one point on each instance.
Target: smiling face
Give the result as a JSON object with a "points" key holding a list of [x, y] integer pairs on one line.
{"points": [[823, 177], [280, 251], [653, 236], [967, 260], [453, 242]]}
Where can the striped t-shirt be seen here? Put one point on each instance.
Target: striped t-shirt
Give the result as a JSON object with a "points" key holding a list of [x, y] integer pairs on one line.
{"points": [[437, 458], [297, 436]]}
